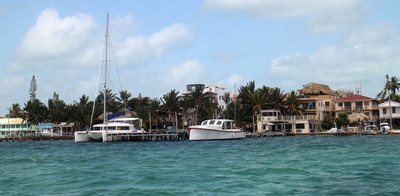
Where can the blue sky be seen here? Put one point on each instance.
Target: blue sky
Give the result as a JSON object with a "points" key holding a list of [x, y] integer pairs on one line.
{"points": [[164, 45]]}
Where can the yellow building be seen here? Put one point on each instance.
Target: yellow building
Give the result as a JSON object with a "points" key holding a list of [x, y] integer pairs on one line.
{"points": [[14, 127]]}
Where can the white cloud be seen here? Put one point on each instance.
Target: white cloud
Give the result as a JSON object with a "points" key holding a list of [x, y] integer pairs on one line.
{"points": [[64, 54], [323, 16], [366, 56], [137, 49], [52, 36], [188, 72]]}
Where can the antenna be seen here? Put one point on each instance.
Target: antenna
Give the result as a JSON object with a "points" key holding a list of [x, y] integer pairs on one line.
{"points": [[358, 88]]}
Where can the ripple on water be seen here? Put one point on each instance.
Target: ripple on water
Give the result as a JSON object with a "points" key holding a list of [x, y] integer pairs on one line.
{"points": [[260, 166]]}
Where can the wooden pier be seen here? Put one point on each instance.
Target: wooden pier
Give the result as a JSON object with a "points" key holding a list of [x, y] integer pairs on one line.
{"points": [[36, 138]]}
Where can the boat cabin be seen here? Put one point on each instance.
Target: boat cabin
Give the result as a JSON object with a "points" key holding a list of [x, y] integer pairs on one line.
{"points": [[223, 123]]}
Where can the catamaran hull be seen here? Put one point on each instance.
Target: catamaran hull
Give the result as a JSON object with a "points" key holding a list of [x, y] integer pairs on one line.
{"points": [[87, 136], [213, 134]]}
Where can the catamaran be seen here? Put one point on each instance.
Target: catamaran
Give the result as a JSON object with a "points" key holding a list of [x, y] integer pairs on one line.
{"points": [[104, 132]]}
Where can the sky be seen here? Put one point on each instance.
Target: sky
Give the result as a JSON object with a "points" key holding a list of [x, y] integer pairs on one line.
{"points": [[163, 45]]}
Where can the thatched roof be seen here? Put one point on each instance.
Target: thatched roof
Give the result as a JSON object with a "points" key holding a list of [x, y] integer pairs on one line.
{"points": [[357, 117], [316, 89]]}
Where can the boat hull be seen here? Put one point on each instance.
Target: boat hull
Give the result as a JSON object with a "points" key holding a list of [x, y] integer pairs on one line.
{"points": [[214, 134], [88, 136]]}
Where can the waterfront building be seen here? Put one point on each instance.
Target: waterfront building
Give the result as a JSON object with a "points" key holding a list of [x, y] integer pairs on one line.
{"points": [[390, 111], [357, 104], [216, 93], [273, 120], [15, 127], [317, 100]]}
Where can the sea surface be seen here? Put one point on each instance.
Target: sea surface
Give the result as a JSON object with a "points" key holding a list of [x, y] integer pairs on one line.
{"points": [[353, 165]]}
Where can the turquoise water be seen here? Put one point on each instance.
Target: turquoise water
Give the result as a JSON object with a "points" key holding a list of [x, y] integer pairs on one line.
{"points": [[355, 165]]}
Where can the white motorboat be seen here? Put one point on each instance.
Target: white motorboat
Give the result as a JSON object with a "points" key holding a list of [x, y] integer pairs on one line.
{"points": [[104, 132], [215, 129]]}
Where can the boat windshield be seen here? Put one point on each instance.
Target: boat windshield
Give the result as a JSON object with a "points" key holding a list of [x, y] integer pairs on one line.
{"points": [[227, 125]]}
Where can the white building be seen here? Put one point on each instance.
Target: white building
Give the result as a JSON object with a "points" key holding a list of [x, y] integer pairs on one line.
{"points": [[217, 93], [272, 120], [390, 111]]}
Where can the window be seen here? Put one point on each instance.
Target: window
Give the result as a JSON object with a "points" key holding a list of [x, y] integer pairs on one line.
{"points": [[393, 110], [300, 126], [359, 105], [219, 122], [347, 105], [327, 103], [340, 104], [211, 122], [384, 111], [366, 103]]}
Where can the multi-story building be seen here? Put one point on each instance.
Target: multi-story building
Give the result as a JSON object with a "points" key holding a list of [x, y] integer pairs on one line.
{"points": [[215, 91], [15, 127], [357, 104], [390, 112], [317, 100], [272, 120], [217, 94]]}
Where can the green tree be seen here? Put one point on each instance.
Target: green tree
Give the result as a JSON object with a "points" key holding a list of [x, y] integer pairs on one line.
{"points": [[292, 104], [33, 88], [112, 104], [15, 111], [342, 120], [170, 104], [58, 111], [200, 101], [327, 122], [36, 111], [123, 100], [390, 87], [255, 100]]}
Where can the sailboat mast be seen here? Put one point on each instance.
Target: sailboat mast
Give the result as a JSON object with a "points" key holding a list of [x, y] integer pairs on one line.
{"points": [[105, 74]]}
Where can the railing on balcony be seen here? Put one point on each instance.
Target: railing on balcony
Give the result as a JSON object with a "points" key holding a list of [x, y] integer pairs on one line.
{"points": [[290, 118], [374, 107]]}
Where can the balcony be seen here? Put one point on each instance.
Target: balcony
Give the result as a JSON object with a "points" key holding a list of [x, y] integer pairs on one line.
{"points": [[290, 118]]}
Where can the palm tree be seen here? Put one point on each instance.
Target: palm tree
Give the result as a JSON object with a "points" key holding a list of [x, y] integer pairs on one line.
{"points": [[391, 85], [112, 104], [37, 112], [199, 100], [57, 109], [255, 100], [154, 111], [292, 104], [82, 112], [123, 100], [15, 111], [170, 104], [275, 97]]}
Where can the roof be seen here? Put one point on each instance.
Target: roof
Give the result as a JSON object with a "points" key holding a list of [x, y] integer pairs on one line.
{"points": [[354, 97], [5, 121], [46, 125], [392, 104], [316, 89]]}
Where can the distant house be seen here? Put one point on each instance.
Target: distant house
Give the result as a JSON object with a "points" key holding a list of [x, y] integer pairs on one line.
{"points": [[317, 100], [357, 104], [272, 120], [390, 111], [15, 127]]}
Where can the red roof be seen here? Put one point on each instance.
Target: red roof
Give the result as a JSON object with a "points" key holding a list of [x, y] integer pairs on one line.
{"points": [[354, 97]]}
